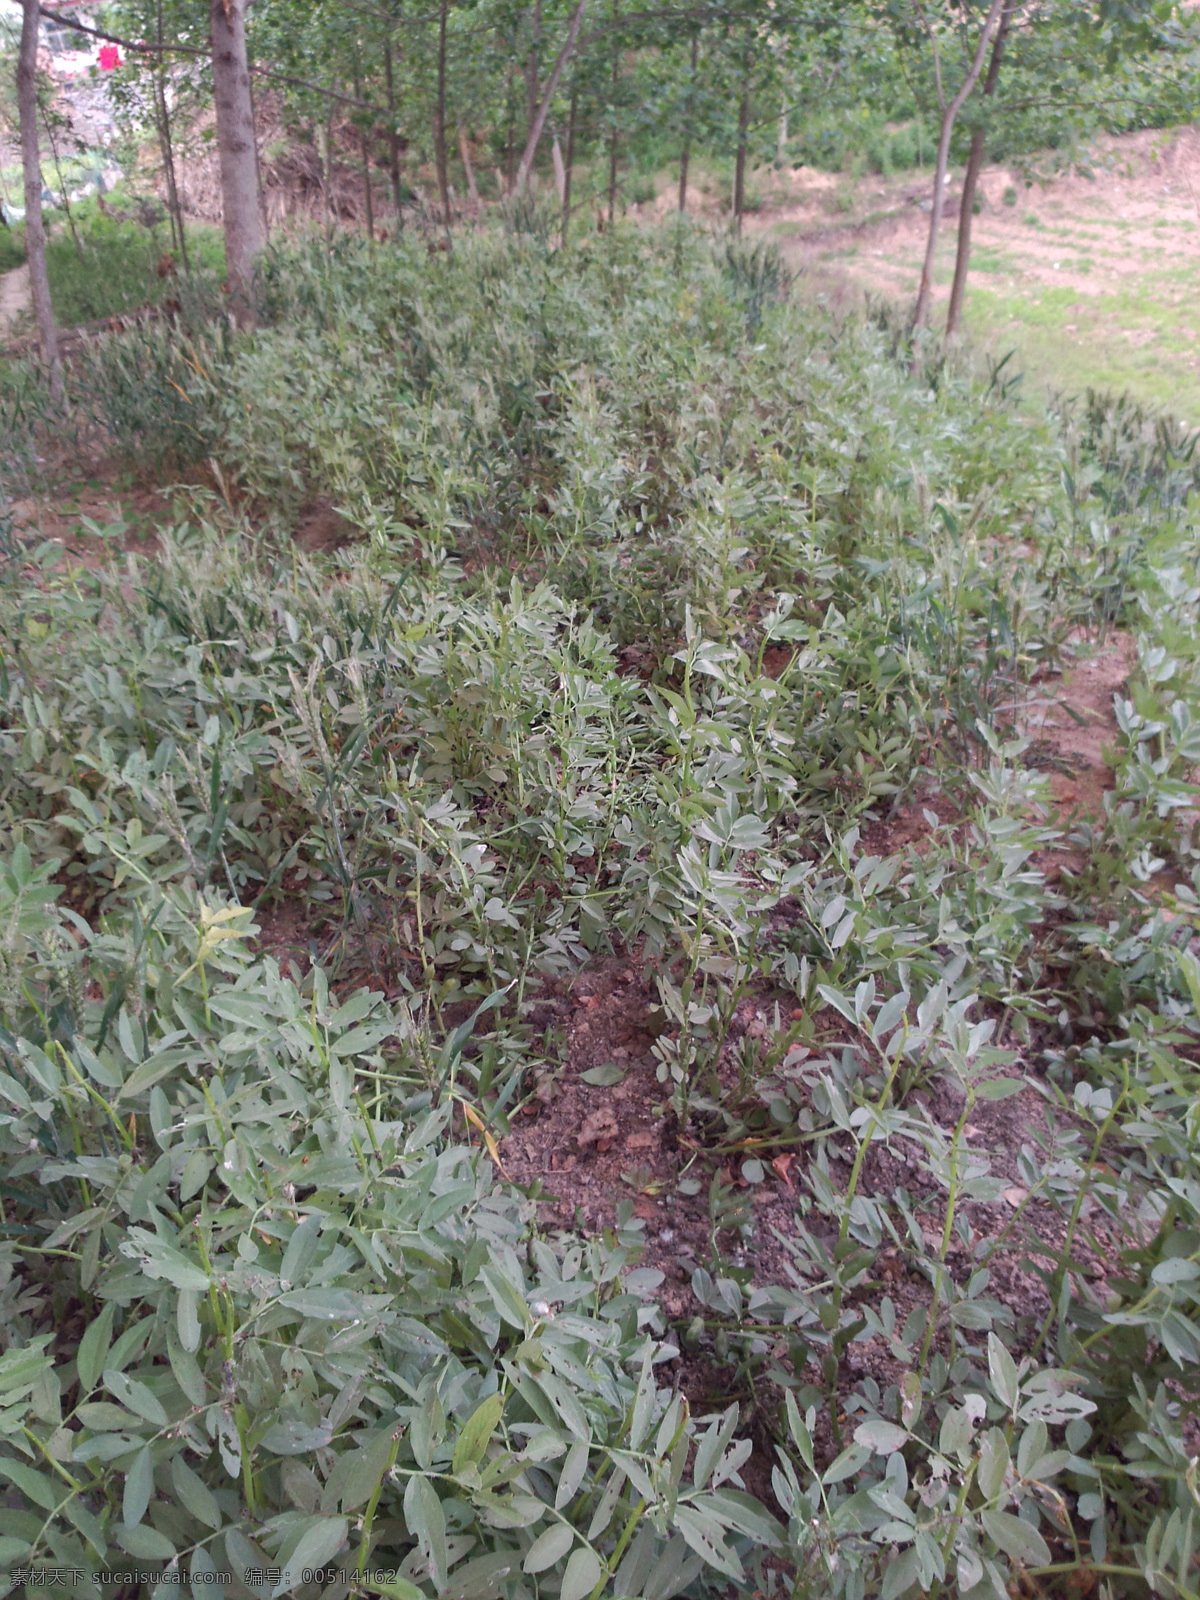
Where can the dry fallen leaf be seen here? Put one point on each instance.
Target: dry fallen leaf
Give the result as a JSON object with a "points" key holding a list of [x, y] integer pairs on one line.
{"points": [[598, 1125], [781, 1166], [1015, 1195]]}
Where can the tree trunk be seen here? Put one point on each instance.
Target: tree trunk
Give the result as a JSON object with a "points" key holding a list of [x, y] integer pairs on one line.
{"points": [[686, 153], [510, 152], [368, 198], [539, 121], [781, 142], [237, 150], [393, 136], [966, 212], [949, 116], [439, 118], [167, 148], [258, 178], [560, 171], [464, 151], [612, 141], [168, 160], [566, 199], [325, 152], [532, 64], [35, 230], [739, 170]]}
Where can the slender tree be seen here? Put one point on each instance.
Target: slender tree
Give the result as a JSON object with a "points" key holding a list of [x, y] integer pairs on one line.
{"points": [[613, 137], [236, 148], [966, 212], [570, 163], [439, 117], [393, 131], [464, 150], [539, 121], [688, 110], [533, 62], [365, 157], [739, 167], [35, 228], [950, 112], [162, 117]]}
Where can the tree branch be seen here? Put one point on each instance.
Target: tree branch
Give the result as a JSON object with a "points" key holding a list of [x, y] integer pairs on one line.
{"points": [[193, 50], [535, 132]]}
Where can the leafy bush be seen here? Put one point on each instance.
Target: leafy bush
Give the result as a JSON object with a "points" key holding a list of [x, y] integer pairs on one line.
{"points": [[669, 593], [318, 1335]]}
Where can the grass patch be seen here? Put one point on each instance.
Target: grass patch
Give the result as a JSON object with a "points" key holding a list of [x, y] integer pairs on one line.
{"points": [[110, 265], [12, 248], [1126, 341]]}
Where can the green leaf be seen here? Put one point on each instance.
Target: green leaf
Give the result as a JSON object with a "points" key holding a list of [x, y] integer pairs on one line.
{"points": [[243, 1557], [880, 1436], [101, 1416], [574, 1469], [582, 1575], [427, 1522], [320, 1544], [847, 1464], [195, 1495], [139, 1486], [396, 1588], [999, 1088], [186, 1369], [703, 1534], [993, 1463], [159, 1260], [472, 1442], [326, 1305], [1016, 1538], [712, 1445], [506, 1297], [603, 1077], [643, 1404], [292, 1436], [901, 1574], [12, 1550], [187, 1321], [146, 1544], [93, 1347], [301, 1250], [549, 1547], [40, 1489], [481, 1578], [22, 1366], [1003, 1371], [365, 1469], [136, 1396], [204, 1573], [88, 1525]]}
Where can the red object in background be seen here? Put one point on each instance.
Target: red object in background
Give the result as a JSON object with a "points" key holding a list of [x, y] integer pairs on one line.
{"points": [[109, 57]]}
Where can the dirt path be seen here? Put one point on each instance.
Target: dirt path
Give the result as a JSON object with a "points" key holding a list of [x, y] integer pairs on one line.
{"points": [[14, 298]]}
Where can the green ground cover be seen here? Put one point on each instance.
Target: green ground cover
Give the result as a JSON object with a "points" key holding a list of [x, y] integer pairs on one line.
{"points": [[667, 590]]}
